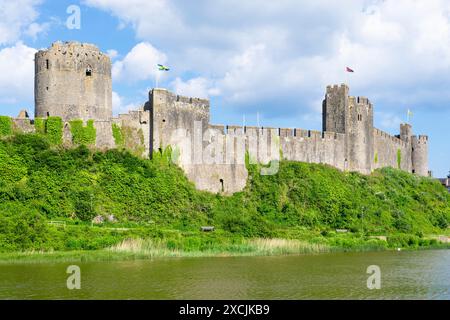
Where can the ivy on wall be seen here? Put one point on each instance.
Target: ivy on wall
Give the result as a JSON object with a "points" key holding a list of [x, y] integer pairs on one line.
{"points": [[54, 129], [83, 134], [399, 158], [129, 138], [39, 125], [5, 126], [117, 134], [376, 157]]}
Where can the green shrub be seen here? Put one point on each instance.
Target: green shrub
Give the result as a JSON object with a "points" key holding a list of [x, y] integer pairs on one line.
{"points": [[5, 126], [303, 201]]}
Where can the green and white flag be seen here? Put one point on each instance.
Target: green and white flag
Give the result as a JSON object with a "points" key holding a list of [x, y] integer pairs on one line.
{"points": [[163, 67]]}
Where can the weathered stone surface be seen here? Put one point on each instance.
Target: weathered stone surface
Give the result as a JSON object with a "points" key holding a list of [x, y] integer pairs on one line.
{"points": [[73, 81]]}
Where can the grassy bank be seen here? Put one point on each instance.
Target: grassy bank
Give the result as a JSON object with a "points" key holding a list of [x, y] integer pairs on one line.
{"points": [[140, 249], [49, 196]]}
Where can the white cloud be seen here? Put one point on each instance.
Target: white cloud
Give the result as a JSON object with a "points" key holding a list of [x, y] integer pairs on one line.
{"points": [[388, 121], [196, 87], [119, 106], [113, 54], [290, 50], [36, 29], [18, 17], [139, 64], [17, 74], [148, 17]]}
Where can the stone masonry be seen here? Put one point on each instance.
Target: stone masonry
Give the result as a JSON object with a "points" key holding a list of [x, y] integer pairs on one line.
{"points": [[73, 81]]}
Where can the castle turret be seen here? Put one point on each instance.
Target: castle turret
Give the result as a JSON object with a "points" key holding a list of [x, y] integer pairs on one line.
{"points": [[335, 108], [73, 81], [170, 112], [360, 134], [405, 132], [420, 155], [354, 118]]}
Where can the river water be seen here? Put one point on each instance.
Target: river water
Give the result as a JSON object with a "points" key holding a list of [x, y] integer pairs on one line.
{"points": [[403, 275]]}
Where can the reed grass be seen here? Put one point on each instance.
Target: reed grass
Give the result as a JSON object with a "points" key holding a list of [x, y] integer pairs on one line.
{"points": [[140, 249], [249, 247]]}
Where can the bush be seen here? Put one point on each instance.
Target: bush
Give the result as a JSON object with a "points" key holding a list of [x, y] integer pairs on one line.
{"points": [[5, 126], [298, 202]]}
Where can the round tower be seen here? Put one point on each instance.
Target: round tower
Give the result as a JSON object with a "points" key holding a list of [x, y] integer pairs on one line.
{"points": [[420, 155], [73, 81]]}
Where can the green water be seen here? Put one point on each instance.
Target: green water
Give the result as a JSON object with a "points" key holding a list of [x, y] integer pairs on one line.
{"points": [[404, 275]]}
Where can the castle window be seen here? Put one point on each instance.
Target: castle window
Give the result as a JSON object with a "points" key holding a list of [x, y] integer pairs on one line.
{"points": [[359, 117], [47, 63], [221, 184], [88, 72]]}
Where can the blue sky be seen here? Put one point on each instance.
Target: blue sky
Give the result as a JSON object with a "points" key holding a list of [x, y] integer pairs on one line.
{"points": [[254, 56]]}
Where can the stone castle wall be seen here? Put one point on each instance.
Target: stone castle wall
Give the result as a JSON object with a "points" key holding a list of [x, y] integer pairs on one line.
{"points": [[390, 151], [73, 82], [213, 156]]}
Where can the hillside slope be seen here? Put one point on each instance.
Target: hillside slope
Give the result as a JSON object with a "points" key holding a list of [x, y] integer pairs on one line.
{"points": [[40, 183]]}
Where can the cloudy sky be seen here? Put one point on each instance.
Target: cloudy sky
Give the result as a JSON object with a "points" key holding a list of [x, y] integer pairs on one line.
{"points": [[254, 56]]}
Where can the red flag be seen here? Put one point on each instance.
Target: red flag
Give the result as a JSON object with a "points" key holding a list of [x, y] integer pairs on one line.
{"points": [[349, 70]]}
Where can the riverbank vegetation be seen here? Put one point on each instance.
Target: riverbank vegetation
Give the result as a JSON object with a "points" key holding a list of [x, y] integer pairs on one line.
{"points": [[49, 197]]}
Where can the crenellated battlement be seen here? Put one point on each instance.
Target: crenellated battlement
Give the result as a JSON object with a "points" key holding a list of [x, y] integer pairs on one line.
{"points": [[337, 89], [166, 96], [73, 81], [423, 138]]}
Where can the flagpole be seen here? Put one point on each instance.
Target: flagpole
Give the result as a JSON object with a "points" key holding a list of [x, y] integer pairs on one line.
{"points": [[347, 78], [157, 79]]}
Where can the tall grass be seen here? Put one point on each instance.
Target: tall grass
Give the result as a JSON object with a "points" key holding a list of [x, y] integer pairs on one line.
{"points": [[252, 247]]}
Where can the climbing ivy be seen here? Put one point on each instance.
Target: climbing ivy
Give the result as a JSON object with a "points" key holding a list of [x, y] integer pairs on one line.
{"points": [[81, 134], [53, 129], [39, 125], [376, 157], [399, 158], [5, 126], [117, 134]]}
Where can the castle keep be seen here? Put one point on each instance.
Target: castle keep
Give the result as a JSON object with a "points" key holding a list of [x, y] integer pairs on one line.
{"points": [[73, 82]]}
